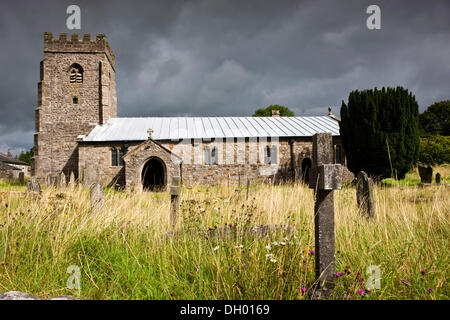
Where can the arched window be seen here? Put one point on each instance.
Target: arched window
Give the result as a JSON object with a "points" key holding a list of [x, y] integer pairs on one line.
{"points": [[76, 73]]}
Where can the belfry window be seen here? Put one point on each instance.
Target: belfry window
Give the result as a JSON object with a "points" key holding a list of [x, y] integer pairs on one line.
{"points": [[75, 100], [76, 73]]}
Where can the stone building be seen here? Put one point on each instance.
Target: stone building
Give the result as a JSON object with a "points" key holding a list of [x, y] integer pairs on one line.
{"points": [[11, 167], [77, 130]]}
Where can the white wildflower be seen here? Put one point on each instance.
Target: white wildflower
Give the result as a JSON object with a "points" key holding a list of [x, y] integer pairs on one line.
{"points": [[216, 248], [273, 260], [268, 247], [275, 243], [282, 243]]}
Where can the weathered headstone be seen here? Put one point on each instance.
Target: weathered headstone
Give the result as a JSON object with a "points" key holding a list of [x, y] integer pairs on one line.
{"points": [[90, 175], [364, 194], [61, 180], [49, 181], [426, 174], [72, 180], [325, 177], [22, 178], [97, 197], [33, 185], [174, 191], [438, 178]]}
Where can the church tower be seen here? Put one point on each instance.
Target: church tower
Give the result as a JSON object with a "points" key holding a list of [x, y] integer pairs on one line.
{"points": [[77, 90]]}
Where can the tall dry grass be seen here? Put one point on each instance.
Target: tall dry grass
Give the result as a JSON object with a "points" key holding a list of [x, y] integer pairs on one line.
{"points": [[131, 252]]}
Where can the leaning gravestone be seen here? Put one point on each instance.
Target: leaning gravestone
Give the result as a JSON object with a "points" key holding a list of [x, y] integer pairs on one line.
{"points": [[426, 174], [22, 178], [33, 185], [97, 197], [438, 178], [364, 194]]}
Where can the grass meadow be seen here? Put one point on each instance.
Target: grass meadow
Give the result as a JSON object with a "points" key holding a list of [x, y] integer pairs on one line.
{"points": [[130, 251]]}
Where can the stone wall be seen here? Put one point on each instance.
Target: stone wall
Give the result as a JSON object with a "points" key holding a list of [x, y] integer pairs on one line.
{"points": [[59, 120], [246, 157]]}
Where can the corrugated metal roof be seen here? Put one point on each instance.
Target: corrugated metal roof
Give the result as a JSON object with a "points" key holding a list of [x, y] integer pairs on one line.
{"points": [[176, 128]]}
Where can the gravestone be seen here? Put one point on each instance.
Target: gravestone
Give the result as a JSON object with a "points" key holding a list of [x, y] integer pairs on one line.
{"points": [[22, 178], [61, 180], [325, 177], [33, 185], [90, 175], [48, 181], [364, 194], [174, 191], [72, 180], [426, 174], [438, 178], [97, 197]]}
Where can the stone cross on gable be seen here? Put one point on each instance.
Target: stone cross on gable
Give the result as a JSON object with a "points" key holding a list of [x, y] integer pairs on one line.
{"points": [[150, 133]]}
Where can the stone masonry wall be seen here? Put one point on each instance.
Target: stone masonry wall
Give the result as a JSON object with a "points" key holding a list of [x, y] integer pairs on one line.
{"points": [[194, 171], [59, 121]]}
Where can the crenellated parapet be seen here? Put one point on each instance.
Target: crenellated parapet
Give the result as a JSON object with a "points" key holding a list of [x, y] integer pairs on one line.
{"points": [[77, 45]]}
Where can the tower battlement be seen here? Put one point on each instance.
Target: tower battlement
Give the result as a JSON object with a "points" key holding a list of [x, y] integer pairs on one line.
{"points": [[76, 45]]}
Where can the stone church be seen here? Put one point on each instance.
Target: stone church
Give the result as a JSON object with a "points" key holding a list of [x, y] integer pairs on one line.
{"points": [[77, 130]]}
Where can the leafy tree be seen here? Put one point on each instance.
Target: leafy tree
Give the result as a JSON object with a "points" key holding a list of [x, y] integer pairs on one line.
{"points": [[436, 119], [380, 128], [434, 149], [267, 112], [26, 156]]}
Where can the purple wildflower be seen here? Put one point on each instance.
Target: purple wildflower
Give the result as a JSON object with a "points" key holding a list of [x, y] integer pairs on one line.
{"points": [[405, 282], [339, 274], [312, 252], [423, 272], [229, 267], [429, 289], [244, 265], [303, 289], [6, 205], [361, 292]]}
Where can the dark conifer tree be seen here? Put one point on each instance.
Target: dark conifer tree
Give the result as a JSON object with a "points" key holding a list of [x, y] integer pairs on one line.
{"points": [[379, 129]]}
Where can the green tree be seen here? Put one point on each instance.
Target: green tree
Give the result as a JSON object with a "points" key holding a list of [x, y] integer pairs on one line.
{"points": [[380, 131], [434, 149], [267, 112], [436, 119], [26, 156]]}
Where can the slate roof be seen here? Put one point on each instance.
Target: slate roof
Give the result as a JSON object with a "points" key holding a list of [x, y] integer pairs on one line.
{"points": [[177, 128], [6, 159]]}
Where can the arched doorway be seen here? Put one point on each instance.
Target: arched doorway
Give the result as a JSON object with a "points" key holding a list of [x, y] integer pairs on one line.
{"points": [[153, 175], [306, 166]]}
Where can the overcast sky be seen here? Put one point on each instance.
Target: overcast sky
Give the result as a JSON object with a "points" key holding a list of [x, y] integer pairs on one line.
{"points": [[223, 58]]}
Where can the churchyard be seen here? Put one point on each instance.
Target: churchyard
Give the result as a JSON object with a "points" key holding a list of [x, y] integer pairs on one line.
{"points": [[223, 245]]}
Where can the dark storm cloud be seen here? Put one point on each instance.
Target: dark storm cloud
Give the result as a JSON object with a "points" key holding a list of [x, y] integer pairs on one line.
{"points": [[204, 58]]}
